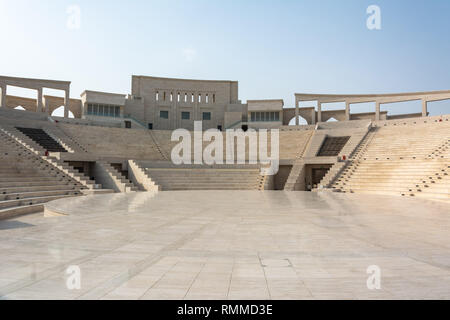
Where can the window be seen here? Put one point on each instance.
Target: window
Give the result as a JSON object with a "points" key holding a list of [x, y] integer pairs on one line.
{"points": [[207, 98], [206, 116], [128, 124], [157, 96], [214, 98], [164, 114], [264, 116], [150, 126], [185, 115], [199, 98], [103, 110]]}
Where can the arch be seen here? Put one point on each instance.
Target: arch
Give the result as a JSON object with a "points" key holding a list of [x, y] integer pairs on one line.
{"points": [[20, 108], [332, 120], [301, 121], [59, 112]]}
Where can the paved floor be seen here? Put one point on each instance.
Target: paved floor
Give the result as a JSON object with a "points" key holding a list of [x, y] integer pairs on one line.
{"points": [[229, 245]]}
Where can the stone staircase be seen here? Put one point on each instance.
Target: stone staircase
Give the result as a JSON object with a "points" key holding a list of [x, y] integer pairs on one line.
{"points": [[408, 161], [27, 181], [43, 139], [158, 146], [64, 140], [205, 178], [38, 150], [352, 150], [140, 177], [121, 183]]}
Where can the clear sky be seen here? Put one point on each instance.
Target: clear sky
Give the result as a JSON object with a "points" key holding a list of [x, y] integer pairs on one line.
{"points": [[273, 48]]}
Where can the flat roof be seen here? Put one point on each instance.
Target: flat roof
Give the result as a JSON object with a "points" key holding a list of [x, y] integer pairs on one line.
{"points": [[179, 79]]}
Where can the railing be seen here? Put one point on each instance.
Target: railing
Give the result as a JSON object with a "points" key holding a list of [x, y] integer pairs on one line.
{"points": [[129, 116]]}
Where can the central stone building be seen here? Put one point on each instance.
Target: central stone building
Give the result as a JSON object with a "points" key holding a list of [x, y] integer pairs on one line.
{"points": [[167, 104]]}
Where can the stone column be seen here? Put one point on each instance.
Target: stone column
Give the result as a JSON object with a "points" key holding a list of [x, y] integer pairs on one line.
{"points": [[347, 110], [39, 100], [319, 111], [297, 121], [3, 96], [176, 112], [46, 106], [195, 115], [377, 111], [313, 116], [424, 108], [66, 103]]}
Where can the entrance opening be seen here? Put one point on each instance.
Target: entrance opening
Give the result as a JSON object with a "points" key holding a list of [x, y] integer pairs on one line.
{"points": [[314, 174], [301, 121], [59, 112]]}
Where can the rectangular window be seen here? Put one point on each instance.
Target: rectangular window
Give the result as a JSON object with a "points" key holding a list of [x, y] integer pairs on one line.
{"points": [[95, 109], [206, 116], [164, 114], [117, 112], [277, 116], [90, 109], [258, 116], [185, 115], [253, 116]]}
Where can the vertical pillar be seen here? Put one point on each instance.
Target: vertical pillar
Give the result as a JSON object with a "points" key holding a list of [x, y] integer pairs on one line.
{"points": [[66, 103], [347, 110], [313, 116], [424, 108], [377, 111], [297, 121], [3, 96], [319, 111], [46, 106], [177, 114], [39, 100]]}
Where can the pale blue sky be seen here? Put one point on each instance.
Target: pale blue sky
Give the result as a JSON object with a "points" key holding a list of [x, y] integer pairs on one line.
{"points": [[273, 48]]}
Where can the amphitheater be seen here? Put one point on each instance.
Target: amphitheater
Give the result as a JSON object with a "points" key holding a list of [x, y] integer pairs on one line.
{"points": [[100, 191]]}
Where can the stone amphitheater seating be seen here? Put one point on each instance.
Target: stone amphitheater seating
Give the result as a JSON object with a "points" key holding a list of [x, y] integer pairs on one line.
{"points": [[412, 160], [116, 142], [206, 178], [292, 143], [27, 181], [41, 137]]}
